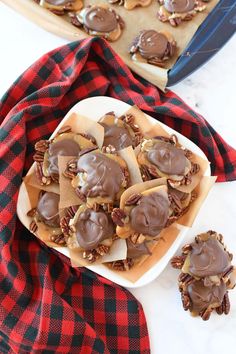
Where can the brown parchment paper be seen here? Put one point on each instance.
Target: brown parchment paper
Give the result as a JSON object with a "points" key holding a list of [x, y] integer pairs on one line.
{"points": [[84, 125], [68, 197], [135, 20], [32, 180], [118, 251], [158, 130], [158, 249]]}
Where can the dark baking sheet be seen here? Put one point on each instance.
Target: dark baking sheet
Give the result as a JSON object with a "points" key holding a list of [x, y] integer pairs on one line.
{"points": [[214, 32]]}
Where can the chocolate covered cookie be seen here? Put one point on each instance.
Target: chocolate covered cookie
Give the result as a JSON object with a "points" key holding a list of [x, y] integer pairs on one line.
{"points": [[153, 47], [206, 275], [59, 7], [120, 133], [131, 4], [165, 157], [176, 11], [66, 143], [98, 178], [99, 20], [47, 212]]}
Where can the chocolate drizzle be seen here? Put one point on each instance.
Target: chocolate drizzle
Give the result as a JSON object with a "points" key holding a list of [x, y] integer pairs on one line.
{"points": [[202, 296], [118, 137], [104, 175], [208, 258], [47, 209], [180, 6], [100, 19], [93, 227], [150, 214], [66, 147], [168, 158]]}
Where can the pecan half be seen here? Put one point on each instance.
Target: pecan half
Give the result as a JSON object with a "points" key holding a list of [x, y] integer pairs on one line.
{"points": [[102, 250], [137, 238], [195, 168], [38, 156], [43, 180], [156, 61], [178, 262], [31, 212], [58, 239], [175, 21], [145, 174], [71, 169], [109, 149], [80, 194], [65, 129], [118, 216], [153, 172], [41, 145], [133, 199], [65, 228], [89, 137], [33, 227], [121, 265], [205, 314], [185, 301]]}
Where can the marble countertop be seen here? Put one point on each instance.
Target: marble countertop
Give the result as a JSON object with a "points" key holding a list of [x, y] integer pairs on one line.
{"points": [[211, 92]]}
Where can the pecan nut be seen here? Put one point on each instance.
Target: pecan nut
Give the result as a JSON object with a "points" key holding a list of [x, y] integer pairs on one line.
{"points": [[31, 212], [38, 156], [133, 199], [41, 145], [178, 262], [33, 227], [118, 216], [58, 239], [122, 265]]}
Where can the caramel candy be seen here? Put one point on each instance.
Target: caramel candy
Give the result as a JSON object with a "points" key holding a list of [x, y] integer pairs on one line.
{"points": [[65, 143], [92, 227], [153, 47], [47, 209], [99, 20], [59, 7], [176, 11], [150, 214], [121, 132], [206, 275], [166, 158]]}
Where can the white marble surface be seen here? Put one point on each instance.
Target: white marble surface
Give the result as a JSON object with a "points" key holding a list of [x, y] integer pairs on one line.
{"points": [[211, 91]]}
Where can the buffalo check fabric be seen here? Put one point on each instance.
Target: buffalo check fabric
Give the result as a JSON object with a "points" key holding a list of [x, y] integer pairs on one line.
{"points": [[46, 305]]}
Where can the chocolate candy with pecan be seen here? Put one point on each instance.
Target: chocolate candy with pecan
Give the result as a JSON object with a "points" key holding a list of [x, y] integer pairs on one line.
{"points": [[153, 47], [165, 157], [206, 275], [144, 215], [131, 4], [47, 212], [66, 143], [99, 20], [119, 133], [99, 178], [176, 11], [59, 7], [90, 231]]}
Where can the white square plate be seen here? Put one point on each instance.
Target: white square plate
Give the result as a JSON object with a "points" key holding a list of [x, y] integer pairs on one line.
{"points": [[94, 108]]}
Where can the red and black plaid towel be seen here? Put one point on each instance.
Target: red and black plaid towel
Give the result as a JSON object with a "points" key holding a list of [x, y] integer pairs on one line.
{"points": [[47, 306]]}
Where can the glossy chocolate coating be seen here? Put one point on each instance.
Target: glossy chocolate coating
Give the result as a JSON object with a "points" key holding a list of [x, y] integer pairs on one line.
{"points": [[104, 175], [152, 44], [118, 137], [92, 227], [136, 250], [203, 296], [99, 19], [47, 209], [180, 6], [167, 158], [150, 215], [66, 147], [208, 258], [59, 2]]}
